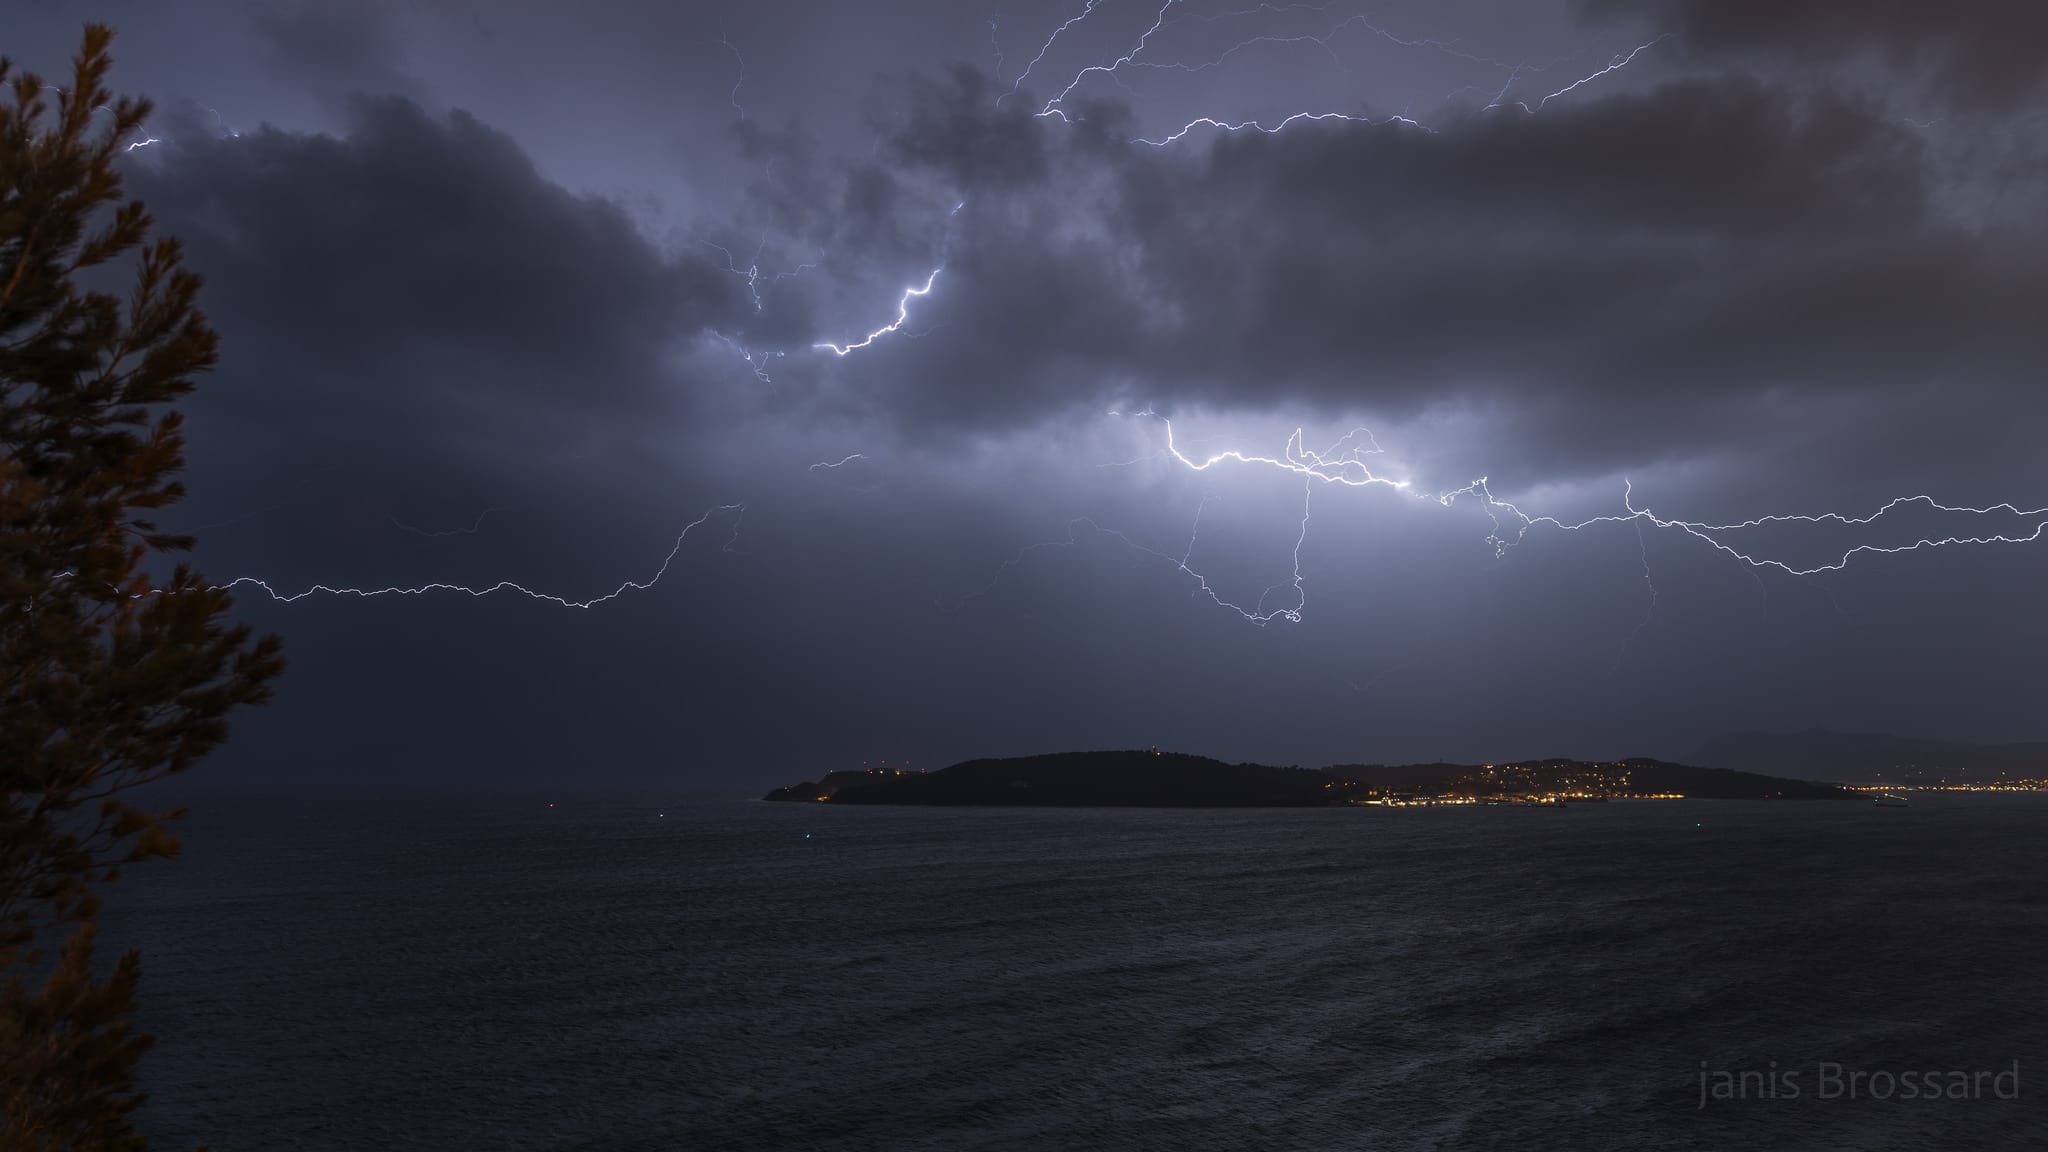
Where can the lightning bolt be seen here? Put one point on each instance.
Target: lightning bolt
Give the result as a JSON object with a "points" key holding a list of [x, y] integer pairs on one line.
{"points": [[1043, 49], [1499, 101], [736, 510], [733, 97], [910, 293], [1183, 563], [902, 317], [146, 142], [1620, 61], [1052, 105], [752, 272], [1704, 532], [1343, 464], [1130, 59], [1649, 585], [757, 362], [1298, 117]]}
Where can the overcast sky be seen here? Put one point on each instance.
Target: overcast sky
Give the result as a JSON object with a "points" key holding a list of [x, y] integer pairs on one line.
{"points": [[513, 291]]}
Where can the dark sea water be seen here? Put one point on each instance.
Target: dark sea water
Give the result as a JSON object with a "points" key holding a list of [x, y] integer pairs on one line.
{"points": [[494, 974]]}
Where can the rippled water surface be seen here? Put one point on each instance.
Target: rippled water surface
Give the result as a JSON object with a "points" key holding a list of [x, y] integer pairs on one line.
{"points": [[409, 974]]}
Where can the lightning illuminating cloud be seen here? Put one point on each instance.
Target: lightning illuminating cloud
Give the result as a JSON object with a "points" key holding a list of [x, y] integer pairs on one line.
{"points": [[1344, 464], [902, 317]]}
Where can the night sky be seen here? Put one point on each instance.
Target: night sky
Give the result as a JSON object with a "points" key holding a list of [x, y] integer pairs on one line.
{"points": [[513, 291]]}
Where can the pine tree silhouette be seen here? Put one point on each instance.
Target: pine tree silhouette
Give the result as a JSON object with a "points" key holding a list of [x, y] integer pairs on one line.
{"points": [[108, 680]]}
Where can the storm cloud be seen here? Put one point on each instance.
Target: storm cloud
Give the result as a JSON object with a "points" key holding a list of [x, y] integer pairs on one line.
{"points": [[575, 276], [1739, 240], [1982, 53]]}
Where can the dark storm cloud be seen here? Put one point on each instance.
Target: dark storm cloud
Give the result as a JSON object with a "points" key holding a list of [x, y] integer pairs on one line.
{"points": [[335, 49], [1671, 258], [416, 282], [1696, 258], [1983, 52]]}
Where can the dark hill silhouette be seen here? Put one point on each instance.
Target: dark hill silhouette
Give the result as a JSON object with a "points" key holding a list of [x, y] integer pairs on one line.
{"points": [[1874, 758], [1166, 779], [1106, 779], [1652, 776]]}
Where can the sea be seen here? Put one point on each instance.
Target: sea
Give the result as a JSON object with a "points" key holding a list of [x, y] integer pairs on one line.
{"points": [[440, 973]]}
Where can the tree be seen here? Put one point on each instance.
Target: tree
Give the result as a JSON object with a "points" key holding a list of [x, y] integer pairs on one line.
{"points": [[108, 679]]}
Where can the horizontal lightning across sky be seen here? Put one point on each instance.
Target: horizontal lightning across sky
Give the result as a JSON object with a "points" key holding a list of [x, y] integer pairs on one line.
{"points": [[505, 586], [1130, 59], [1343, 464]]}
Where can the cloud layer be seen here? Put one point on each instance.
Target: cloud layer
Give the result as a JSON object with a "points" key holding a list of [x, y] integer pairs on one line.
{"points": [[1745, 288]]}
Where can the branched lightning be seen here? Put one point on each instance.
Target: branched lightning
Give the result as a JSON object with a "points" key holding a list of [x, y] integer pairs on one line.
{"points": [[1130, 59], [757, 362], [1043, 49], [505, 585], [757, 293], [1052, 105], [1343, 464], [1620, 61], [1706, 532], [752, 272], [1499, 101]]}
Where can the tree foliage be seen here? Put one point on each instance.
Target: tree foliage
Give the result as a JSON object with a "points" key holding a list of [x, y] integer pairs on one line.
{"points": [[109, 679]]}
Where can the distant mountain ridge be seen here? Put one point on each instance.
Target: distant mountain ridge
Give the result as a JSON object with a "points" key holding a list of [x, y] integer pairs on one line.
{"points": [[1874, 758], [1150, 778]]}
